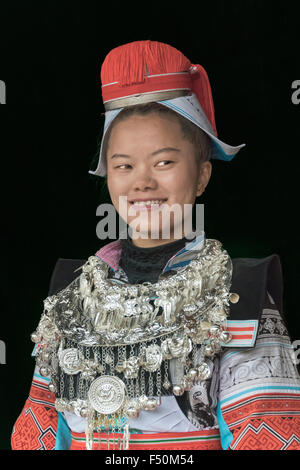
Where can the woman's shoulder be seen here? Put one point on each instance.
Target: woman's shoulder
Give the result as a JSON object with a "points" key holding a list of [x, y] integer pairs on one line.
{"points": [[64, 272], [67, 269], [252, 278]]}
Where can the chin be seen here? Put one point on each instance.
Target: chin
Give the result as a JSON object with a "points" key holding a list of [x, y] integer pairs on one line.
{"points": [[156, 233], [146, 234]]}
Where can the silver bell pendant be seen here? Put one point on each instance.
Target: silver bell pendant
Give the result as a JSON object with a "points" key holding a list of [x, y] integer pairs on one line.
{"points": [[133, 412], [150, 404], [192, 374], [178, 390], [51, 387], [186, 384]]}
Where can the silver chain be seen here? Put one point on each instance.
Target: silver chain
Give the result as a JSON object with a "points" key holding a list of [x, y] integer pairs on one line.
{"points": [[150, 384], [158, 382], [81, 388], [62, 383], [103, 359], [166, 367], [95, 353], [143, 385], [71, 387], [87, 353]]}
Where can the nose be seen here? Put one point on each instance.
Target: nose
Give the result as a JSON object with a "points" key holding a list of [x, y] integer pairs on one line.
{"points": [[144, 181]]}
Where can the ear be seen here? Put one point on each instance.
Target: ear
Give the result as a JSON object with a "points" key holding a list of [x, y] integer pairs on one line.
{"points": [[204, 175], [200, 189]]}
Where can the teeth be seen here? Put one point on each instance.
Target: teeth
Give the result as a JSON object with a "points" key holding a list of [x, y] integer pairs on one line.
{"points": [[147, 203]]}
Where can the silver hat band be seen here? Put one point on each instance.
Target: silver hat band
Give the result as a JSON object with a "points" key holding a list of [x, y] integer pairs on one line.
{"points": [[145, 98]]}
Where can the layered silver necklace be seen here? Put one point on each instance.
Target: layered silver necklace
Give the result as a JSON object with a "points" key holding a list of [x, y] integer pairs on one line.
{"points": [[109, 346]]}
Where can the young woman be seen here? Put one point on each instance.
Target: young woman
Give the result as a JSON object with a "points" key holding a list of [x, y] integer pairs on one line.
{"points": [[160, 340]]}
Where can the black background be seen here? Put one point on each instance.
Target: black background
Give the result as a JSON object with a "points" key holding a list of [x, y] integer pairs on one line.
{"points": [[51, 54]]}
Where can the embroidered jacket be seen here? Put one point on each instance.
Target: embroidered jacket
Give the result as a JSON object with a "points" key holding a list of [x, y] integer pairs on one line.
{"points": [[252, 400]]}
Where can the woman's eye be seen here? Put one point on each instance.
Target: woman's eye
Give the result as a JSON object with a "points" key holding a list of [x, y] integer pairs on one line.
{"points": [[124, 166], [164, 161]]}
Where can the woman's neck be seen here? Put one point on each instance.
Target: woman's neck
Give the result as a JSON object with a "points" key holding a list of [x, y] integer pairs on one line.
{"points": [[145, 264], [151, 242]]}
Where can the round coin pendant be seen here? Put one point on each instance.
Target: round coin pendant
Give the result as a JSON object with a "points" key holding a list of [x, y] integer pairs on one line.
{"points": [[69, 361], [107, 394]]}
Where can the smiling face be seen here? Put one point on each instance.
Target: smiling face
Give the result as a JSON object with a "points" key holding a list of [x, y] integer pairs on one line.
{"points": [[148, 159]]}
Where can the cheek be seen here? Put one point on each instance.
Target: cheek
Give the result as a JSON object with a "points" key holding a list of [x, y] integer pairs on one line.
{"points": [[114, 186], [185, 187], [117, 191], [114, 192]]}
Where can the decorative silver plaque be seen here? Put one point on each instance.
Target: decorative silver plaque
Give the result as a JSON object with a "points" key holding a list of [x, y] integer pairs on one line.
{"points": [[69, 361], [107, 394], [153, 358]]}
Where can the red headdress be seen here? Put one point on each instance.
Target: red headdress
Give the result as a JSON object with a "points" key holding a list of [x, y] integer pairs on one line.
{"points": [[145, 67], [145, 71]]}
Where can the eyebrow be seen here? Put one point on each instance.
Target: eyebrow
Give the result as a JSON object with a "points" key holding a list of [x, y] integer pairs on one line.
{"points": [[156, 152]]}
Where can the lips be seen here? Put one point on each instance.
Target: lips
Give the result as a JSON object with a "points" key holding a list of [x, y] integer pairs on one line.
{"points": [[145, 202]]}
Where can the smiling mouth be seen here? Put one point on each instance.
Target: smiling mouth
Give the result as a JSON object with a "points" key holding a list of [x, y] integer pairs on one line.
{"points": [[148, 204]]}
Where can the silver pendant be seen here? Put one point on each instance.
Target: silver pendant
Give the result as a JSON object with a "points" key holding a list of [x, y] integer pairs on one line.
{"points": [[167, 384], [129, 367], [165, 348], [150, 404], [153, 358], [180, 347], [107, 394], [132, 409], [69, 361], [204, 371]]}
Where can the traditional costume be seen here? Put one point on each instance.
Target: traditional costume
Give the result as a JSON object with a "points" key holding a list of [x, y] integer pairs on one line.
{"points": [[173, 347]]}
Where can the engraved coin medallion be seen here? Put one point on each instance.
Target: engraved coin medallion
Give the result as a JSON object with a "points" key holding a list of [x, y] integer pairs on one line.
{"points": [[69, 361], [107, 394]]}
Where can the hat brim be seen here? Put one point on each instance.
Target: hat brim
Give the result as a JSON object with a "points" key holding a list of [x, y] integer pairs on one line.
{"points": [[188, 107]]}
